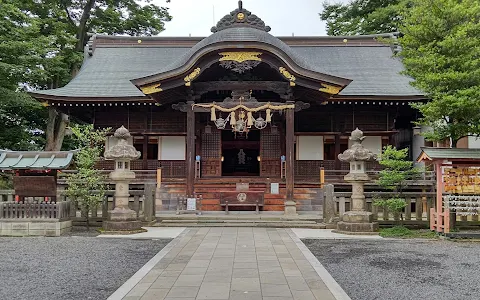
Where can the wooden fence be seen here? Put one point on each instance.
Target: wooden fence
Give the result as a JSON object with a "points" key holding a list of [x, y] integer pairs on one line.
{"points": [[35, 210], [415, 213], [141, 201]]}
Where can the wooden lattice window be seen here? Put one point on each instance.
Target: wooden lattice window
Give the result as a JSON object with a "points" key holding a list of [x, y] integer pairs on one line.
{"points": [[211, 144], [270, 144]]}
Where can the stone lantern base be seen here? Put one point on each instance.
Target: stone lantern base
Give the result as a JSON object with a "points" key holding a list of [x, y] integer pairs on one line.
{"points": [[121, 219], [357, 222]]}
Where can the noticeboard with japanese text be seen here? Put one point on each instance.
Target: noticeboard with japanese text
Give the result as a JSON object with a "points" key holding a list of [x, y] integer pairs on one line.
{"points": [[462, 180]]}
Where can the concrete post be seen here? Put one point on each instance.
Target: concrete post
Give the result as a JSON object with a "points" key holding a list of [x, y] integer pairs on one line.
{"points": [[149, 204], [329, 205]]}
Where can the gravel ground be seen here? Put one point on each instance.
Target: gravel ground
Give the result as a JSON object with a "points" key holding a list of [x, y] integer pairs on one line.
{"points": [[70, 267], [402, 269]]}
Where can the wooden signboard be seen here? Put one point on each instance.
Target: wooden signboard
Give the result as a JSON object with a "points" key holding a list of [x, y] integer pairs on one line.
{"points": [[459, 180]]}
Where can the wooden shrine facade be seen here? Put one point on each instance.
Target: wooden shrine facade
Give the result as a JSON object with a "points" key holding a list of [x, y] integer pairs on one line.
{"points": [[242, 103]]}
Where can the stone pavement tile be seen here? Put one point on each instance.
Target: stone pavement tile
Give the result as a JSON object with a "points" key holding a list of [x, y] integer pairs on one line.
{"points": [[245, 284], [131, 298], [273, 278], [275, 290], [163, 282], [245, 273], [245, 265], [297, 283], [277, 298], [214, 290], [189, 280], [198, 263], [183, 292], [269, 263], [183, 298], [270, 269], [171, 273], [151, 276], [245, 259], [238, 295], [139, 289], [323, 294], [303, 295], [316, 284], [175, 267], [155, 294], [218, 277], [194, 271]]}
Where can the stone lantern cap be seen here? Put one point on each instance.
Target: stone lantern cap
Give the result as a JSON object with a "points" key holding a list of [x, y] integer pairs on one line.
{"points": [[122, 150], [357, 152]]}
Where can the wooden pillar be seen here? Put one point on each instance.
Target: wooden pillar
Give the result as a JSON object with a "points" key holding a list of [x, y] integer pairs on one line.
{"points": [[190, 148], [338, 163], [289, 152], [145, 152]]}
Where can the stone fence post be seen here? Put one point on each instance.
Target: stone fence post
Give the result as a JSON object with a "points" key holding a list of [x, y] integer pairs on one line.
{"points": [[329, 205]]}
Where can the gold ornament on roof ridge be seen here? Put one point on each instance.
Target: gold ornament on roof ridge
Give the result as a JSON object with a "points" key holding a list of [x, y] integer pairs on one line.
{"points": [[330, 89], [240, 56], [191, 76], [287, 75], [150, 89], [240, 16]]}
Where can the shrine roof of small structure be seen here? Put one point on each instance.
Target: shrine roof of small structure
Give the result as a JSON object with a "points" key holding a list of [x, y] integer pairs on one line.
{"points": [[364, 66], [464, 154], [35, 160]]}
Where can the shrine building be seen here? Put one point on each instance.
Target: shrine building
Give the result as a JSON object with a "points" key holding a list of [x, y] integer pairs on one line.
{"points": [[244, 106]]}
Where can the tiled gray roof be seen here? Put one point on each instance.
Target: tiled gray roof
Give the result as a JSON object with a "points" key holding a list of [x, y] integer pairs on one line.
{"points": [[373, 69], [451, 153]]}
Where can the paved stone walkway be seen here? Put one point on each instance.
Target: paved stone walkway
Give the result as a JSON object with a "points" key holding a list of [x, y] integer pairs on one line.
{"points": [[235, 264]]}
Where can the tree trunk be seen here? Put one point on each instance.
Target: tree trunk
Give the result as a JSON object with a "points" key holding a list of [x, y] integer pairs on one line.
{"points": [[55, 129], [50, 132], [82, 26]]}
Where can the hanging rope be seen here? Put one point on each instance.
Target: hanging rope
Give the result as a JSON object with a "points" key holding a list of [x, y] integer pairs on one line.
{"points": [[213, 106], [249, 118], [213, 117]]}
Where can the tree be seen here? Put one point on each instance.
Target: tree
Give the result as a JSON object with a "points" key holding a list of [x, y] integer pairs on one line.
{"points": [[42, 47], [363, 16], [397, 171], [441, 52], [87, 186], [79, 18]]}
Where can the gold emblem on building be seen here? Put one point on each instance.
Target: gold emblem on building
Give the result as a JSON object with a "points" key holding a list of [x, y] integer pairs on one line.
{"points": [[287, 75], [240, 56], [240, 16], [191, 76], [150, 89], [330, 89]]}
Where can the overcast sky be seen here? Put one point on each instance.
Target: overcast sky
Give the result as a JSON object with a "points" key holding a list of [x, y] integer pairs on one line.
{"points": [[196, 17]]}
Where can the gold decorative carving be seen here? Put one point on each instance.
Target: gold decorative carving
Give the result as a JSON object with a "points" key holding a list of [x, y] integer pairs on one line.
{"points": [[287, 75], [240, 16], [150, 89], [240, 56], [191, 76], [330, 89]]}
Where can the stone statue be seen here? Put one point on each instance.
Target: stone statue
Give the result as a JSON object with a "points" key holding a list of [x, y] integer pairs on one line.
{"points": [[122, 217], [357, 219]]}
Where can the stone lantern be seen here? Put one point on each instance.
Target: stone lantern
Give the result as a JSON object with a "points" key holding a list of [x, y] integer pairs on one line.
{"points": [[358, 219], [122, 217]]}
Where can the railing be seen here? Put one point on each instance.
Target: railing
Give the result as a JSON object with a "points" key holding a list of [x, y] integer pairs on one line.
{"points": [[32, 210], [417, 209]]}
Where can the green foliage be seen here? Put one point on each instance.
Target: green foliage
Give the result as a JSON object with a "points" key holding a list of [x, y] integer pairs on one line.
{"points": [[87, 186], [441, 52], [41, 46], [397, 171], [403, 232], [363, 16]]}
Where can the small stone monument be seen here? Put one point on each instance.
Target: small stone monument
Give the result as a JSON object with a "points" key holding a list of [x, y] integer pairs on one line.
{"points": [[122, 217], [357, 220]]}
